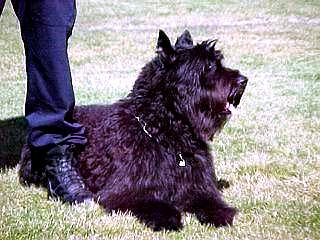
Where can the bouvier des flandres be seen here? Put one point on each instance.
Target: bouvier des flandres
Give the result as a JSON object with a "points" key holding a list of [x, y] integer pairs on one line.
{"points": [[148, 153]]}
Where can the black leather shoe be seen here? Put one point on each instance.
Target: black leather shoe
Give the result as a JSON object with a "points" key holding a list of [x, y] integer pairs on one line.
{"points": [[64, 182]]}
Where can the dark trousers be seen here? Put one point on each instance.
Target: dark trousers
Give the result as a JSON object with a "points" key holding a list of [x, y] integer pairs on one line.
{"points": [[46, 26]]}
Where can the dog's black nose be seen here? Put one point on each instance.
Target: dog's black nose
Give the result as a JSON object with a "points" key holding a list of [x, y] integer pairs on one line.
{"points": [[242, 80], [238, 91]]}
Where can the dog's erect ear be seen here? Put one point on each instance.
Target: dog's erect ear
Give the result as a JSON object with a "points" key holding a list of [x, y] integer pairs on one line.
{"points": [[184, 41], [211, 48], [211, 45], [164, 48]]}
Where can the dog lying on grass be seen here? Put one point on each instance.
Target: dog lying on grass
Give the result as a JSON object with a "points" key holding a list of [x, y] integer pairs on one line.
{"points": [[148, 153]]}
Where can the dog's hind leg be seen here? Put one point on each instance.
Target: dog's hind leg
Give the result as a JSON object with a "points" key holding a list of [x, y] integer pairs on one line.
{"points": [[28, 177], [212, 210], [157, 214]]}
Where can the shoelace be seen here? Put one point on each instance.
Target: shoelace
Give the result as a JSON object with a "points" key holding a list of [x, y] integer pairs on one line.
{"points": [[68, 178]]}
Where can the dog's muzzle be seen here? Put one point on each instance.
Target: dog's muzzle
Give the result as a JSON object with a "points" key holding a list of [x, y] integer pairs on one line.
{"points": [[237, 92]]}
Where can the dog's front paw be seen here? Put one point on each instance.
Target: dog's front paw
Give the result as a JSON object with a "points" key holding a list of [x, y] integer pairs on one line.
{"points": [[224, 216], [169, 222], [158, 215], [220, 217]]}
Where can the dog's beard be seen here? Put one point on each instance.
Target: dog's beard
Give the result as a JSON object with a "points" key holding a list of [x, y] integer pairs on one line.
{"points": [[210, 126], [221, 120], [219, 124]]}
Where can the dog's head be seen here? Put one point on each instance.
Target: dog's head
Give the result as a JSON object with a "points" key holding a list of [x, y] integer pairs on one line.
{"points": [[194, 81]]}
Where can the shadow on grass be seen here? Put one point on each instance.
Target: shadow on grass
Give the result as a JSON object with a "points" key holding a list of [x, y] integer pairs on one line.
{"points": [[12, 137]]}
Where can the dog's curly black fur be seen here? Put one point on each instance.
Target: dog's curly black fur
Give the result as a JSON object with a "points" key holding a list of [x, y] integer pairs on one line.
{"points": [[148, 153]]}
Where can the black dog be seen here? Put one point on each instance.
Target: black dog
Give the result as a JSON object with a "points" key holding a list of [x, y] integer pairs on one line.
{"points": [[148, 153]]}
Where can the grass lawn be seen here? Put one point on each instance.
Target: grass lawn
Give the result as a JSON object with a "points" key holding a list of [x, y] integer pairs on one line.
{"points": [[270, 150]]}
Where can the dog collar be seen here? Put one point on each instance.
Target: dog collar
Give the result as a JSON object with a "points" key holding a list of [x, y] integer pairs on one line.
{"points": [[143, 124]]}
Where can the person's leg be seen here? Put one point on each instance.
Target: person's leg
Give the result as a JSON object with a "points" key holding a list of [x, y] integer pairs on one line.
{"points": [[46, 26], [2, 2]]}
